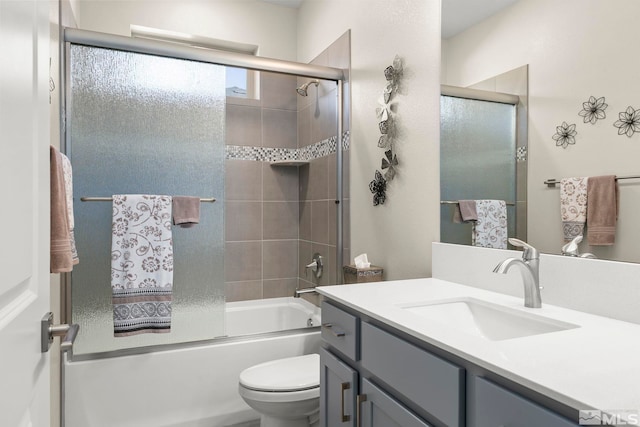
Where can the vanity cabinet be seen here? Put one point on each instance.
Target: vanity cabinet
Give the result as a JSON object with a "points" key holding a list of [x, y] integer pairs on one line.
{"points": [[375, 376], [352, 396]]}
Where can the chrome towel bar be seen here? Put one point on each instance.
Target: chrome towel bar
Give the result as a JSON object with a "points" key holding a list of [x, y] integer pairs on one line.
{"points": [[551, 183], [110, 199]]}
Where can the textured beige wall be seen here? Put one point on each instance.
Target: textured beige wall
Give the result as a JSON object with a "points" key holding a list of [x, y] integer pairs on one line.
{"points": [[270, 27]]}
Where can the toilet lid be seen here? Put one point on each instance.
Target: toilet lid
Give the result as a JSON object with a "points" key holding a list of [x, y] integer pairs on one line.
{"points": [[289, 374]]}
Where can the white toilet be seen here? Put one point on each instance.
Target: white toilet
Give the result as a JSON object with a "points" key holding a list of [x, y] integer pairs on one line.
{"points": [[285, 392]]}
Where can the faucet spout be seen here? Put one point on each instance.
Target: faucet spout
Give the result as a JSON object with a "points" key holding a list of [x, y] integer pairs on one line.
{"points": [[529, 269]]}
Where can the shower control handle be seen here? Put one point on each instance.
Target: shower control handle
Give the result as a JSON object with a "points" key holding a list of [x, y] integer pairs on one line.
{"points": [[316, 265]]}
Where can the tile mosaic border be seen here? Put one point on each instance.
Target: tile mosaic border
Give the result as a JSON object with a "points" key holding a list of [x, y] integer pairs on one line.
{"points": [[266, 154]]}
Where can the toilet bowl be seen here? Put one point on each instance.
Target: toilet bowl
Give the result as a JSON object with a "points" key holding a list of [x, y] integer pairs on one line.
{"points": [[285, 392]]}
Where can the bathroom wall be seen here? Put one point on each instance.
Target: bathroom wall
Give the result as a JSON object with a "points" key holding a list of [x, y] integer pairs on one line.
{"points": [[269, 26], [575, 49], [261, 217], [398, 234]]}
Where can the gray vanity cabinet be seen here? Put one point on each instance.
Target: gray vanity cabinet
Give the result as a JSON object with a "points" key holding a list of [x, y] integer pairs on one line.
{"points": [[375, 376], [353, 351]]}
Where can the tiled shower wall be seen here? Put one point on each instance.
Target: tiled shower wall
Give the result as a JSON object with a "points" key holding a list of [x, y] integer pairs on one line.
{"points": [[317, 117], [261, 216], [277, 217]]}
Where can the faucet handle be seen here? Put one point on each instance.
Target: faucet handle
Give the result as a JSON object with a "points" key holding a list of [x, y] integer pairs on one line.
{"points": [[529, 252], [571, 248]]}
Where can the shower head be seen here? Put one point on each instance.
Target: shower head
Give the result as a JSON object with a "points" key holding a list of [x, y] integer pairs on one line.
{"points": [[302, 90]]}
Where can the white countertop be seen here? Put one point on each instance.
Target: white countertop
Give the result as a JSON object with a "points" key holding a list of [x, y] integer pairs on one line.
{"points": [[594, 366]]}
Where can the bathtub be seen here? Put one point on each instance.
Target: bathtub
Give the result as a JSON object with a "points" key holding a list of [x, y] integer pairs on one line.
{"points": [[194, 384]]}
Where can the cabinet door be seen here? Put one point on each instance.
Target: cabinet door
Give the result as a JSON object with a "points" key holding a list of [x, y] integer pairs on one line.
{"points": [[378, 409], [338, 390], [497, 406], [431, 383]]}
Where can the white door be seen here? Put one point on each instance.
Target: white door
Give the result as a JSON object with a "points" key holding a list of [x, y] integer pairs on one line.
{"points": [[24, 211]]}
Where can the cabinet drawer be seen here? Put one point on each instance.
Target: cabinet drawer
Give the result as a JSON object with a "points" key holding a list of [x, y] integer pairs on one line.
{"points": [[341, 330], [497, 406], [430, 382]]}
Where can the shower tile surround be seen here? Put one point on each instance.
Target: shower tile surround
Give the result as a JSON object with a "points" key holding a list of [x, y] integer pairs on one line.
{"points": [[276, 218]]}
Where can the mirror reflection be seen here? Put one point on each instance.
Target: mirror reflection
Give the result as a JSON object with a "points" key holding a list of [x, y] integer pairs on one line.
{"points": [[575, 50]]}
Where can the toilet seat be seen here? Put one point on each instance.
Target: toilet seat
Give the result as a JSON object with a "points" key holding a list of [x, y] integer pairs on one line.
{"points": [[289, 375]]}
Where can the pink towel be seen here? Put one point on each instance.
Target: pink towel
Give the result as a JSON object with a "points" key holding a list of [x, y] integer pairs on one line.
{"points": [[602, 210], [67, 172], [186, 211], [61, 256]]}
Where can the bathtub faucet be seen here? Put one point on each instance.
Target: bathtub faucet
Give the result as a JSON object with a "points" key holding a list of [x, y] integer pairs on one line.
{"points": [[298, 292]]}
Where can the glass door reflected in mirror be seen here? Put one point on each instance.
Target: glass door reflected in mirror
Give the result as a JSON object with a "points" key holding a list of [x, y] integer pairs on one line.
{"points": [[477, 161]]}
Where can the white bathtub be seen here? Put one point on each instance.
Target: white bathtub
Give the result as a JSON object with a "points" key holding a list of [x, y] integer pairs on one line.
{"points": [[192, 385], [269, 315]]}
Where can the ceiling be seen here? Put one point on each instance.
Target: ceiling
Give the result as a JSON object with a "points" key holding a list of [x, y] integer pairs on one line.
{"points": [[458, 15], [286, 3]]}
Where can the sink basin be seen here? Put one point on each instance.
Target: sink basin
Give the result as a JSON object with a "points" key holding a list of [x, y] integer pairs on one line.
{"points": [[487, 320]]}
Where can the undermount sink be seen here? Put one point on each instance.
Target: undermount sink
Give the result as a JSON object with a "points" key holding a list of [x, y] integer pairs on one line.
{"points": [[487, 320]]}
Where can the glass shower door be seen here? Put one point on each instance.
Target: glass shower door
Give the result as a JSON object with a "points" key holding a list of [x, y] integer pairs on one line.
{"points": [[477, 160], [142, 124]]}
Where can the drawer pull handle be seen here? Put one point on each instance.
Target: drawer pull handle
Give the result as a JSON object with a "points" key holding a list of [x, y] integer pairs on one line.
{"points": [[329, 327], [344, 387], [359, 399]]}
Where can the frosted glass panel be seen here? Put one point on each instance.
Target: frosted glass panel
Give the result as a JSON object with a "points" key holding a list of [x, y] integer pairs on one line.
{"points": [[140, 124], [477, 159]]}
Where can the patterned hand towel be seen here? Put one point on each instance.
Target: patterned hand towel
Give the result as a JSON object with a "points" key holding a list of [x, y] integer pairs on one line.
{"points": [[61, 258], [67, 172], [186, 211], [602, 210], [490, 230], [573, 206], [141, 264]]}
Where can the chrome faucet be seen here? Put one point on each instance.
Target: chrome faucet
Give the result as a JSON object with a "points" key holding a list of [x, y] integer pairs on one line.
{"points": [[571, 249], [529, 268]]}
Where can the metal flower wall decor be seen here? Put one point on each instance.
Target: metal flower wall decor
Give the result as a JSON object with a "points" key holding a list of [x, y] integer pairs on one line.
{"points": [[628, 122], [593, 110], [385, 114], [565, 135]]}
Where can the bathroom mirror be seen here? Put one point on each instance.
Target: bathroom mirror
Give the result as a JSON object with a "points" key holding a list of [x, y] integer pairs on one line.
{"points": [[575, 49]]}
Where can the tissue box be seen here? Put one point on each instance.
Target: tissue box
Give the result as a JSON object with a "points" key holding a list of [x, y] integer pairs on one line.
{"points": [[352, 274]]}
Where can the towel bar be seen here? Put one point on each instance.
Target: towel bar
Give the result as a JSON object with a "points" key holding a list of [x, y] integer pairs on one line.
{"points": [[551, 183], [455, 202], [110, 199]]}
